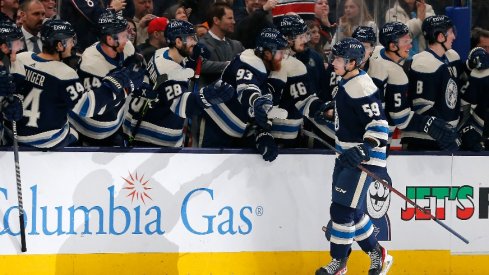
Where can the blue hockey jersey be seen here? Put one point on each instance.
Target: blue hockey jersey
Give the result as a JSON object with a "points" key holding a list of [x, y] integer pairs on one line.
{"points": [[359, 115]]}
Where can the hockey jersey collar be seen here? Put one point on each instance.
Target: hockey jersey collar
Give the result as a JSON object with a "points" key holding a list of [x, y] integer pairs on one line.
{"points": [[117, 61], [37, 58]]}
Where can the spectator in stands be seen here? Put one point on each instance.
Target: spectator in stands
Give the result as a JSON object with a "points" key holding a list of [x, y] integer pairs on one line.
{"points": [[251, 20], [50, 8], [412, 13], [32, 14], [156, 37], [83, 17], [132, 33], [9, 9], [201, 29], [223, 49], [325, 28], [178, 12], [479, 38], [143, 15], [355, 14]]}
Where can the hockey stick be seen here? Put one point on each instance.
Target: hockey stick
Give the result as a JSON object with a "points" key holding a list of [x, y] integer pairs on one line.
{"points": [[23, 246], [186, 127], [388, 186]]}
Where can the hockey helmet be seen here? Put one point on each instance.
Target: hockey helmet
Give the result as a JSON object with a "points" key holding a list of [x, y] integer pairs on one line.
{"points": [[365, 34], [350, 49], [391, 32], [434, 25], [291, 25], [56, 30], [9, 32], [109, 23], [178, 29], [270, 39]]}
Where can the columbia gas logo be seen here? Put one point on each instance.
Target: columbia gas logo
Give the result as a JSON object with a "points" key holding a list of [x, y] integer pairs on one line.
{"points": [[437, 199], [136, 213]]}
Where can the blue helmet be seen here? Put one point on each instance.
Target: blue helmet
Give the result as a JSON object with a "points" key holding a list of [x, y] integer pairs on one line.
{"points": [[270, 39], [365, 34], [56, 30], [9, 32], [291, 25], [110, 23], [391, 32], [178, 29], [350, 49], [434, 25]]}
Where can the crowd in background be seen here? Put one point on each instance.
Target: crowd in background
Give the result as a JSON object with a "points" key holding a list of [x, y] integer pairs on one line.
{"points": [[227, 28]]}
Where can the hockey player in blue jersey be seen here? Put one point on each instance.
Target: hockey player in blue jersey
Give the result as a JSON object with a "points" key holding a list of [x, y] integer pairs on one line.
{"points": [[243, 121], [108, 55], [51, 89], [295, 84], [388, 74], [11, 41], [361, 138], [161, 123], [434, 81], [477, 98], [366, 35]]}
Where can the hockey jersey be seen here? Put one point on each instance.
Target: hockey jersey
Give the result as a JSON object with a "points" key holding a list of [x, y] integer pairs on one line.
{"points": [[94, 66], [434, 83], [163, 120], [359, 115], [51, 90], [248, 75]]}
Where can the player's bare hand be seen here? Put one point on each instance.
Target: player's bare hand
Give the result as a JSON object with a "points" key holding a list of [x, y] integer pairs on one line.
{"points": [[270, 5]]}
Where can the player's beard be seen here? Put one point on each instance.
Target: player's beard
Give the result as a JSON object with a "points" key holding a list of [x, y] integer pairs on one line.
{"points": [[184, 51], [275, 65]]}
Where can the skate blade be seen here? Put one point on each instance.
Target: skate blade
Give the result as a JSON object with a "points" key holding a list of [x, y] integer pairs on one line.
{"points": [[387, 264]]}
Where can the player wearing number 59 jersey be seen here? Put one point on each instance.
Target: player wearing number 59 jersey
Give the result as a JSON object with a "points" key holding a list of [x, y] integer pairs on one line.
{"points": [[51, 89]]}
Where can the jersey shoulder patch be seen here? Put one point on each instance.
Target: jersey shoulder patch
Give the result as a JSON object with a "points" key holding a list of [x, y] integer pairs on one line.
{"points": [[173, 70], [249, 57], [425, 62], [293, 67], [479, 73], [360, 86], [452, 55], [93, 62]]}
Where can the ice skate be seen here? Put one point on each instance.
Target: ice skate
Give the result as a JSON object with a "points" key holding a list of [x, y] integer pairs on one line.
{"points": [[335, 267], [380, 261]]}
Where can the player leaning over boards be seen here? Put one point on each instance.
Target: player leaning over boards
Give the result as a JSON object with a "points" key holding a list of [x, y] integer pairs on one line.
{"points": [[387, 73], [361, 138], [171, 69], [113, 59], [434, 82], [11, 41], [51, 89]]}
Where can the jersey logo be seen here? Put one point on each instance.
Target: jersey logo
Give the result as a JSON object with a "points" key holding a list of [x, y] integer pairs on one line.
{"points": [[451, 94], [340, 190]]}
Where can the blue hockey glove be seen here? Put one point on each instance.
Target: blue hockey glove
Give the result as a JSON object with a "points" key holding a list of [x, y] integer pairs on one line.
{"points": [[134, 60], [266, 146], [478, 59], [128, 78], [261, 107], [444, 134], [12, 108], [356, 155], [7, 86], [320, 117], [471, 139], [146, 91], [200, 50], [215, 93]]}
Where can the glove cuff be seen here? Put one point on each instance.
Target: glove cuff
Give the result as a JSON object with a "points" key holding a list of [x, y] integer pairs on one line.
{"points": [[203, 100], [428, 123]]}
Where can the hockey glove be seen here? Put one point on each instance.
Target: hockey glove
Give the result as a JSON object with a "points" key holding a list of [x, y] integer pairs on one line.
{"points": [[478, 59], [146, 91], [12, 108], [261, 107], [444, 134], [215, 93], [134, 60], [471, 139], [321, 117], [200, 50], [266, 146], [127, 79], [356, 155], [7, 86]]}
